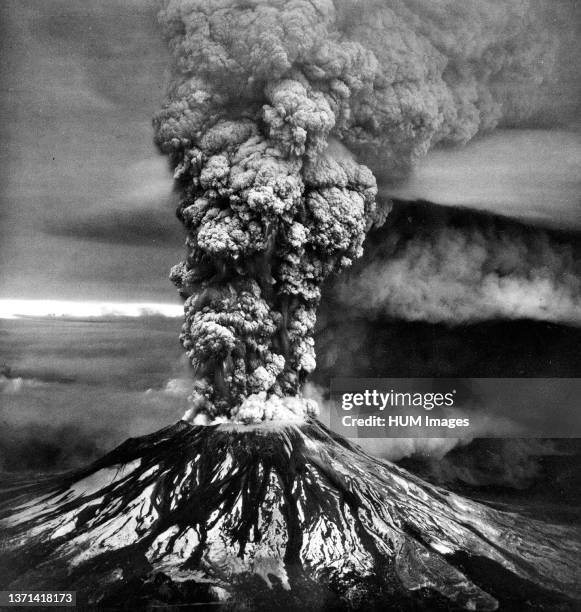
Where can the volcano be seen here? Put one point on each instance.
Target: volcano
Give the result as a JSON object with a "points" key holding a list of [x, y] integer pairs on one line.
{"points": [[288, 516], [279, 118]]}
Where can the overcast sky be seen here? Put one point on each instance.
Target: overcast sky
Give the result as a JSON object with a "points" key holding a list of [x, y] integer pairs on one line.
{"points": [[86, 205], [86, 209]]}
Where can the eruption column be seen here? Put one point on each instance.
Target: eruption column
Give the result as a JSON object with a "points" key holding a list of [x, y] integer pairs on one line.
{"points": [[266, 94], [268, 218]]}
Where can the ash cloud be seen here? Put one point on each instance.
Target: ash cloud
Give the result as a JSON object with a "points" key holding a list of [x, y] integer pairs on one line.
{"points": [[259, 92], [446, 265], [392, 79]]}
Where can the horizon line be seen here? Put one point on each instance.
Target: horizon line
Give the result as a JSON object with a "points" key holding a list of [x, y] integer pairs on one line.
{"points": [[93, 309]]}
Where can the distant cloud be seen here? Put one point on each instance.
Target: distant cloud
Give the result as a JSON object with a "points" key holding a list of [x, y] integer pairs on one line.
{"points": [[178, 388], [13, 386], [14, 309]]}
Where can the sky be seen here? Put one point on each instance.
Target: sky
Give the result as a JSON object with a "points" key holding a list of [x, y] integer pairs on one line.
{"points": [[86, 203], [530, 175]]}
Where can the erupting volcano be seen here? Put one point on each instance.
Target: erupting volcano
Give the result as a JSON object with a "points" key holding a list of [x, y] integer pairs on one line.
{"points": [[287, 515], [273, 108]]}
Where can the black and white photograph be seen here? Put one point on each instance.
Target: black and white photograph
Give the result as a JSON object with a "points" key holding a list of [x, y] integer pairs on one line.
{"points": [[290, 305]]}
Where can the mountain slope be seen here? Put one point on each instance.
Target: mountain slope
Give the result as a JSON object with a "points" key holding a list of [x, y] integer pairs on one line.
{"points": [[291, 516]]}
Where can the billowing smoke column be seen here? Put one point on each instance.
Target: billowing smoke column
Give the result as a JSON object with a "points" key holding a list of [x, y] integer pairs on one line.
{"points": [[263, 94]]}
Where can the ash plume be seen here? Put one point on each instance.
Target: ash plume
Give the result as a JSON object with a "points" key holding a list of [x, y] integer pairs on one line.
{"points": [[265, 97], [460, 268]]}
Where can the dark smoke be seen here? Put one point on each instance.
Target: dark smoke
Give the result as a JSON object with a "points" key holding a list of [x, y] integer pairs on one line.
{"points": [[263, 93]]}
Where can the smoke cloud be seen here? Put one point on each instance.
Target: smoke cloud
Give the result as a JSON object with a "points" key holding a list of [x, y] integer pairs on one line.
{"points": [[509, 463], [265, 97], [457, 268], [541, 472]]}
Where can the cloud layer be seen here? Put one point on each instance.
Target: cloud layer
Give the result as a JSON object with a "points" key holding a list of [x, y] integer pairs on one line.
{"points": [[455, 267]]}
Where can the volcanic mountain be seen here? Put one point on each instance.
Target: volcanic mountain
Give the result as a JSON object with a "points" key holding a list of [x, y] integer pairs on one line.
{"points": [[287, 515]]}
